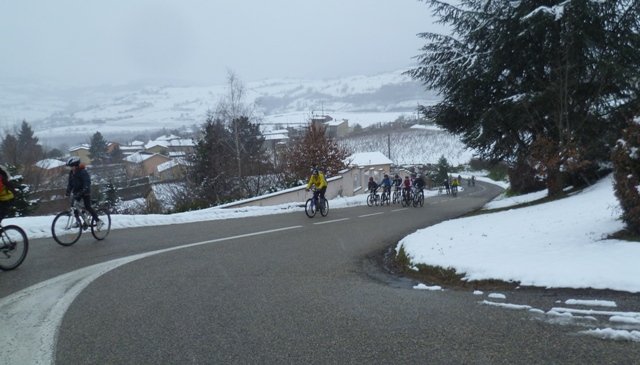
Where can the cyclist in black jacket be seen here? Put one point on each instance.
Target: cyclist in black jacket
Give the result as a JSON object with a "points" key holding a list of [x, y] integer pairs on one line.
{"points": [[80, 186]]}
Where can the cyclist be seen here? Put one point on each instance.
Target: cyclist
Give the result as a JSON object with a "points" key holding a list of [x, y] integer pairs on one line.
{"points": [[372, 186], [418, 183], [317, 179], [454, 186], [406, 185], [7, 192], [386, 185], [397, 182], [80, 186]]}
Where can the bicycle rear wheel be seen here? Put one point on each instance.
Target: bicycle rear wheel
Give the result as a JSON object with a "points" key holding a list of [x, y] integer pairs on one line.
{"points": [[324, 207], [14, 246], [65, 229], [309, 208], [101, 232]]}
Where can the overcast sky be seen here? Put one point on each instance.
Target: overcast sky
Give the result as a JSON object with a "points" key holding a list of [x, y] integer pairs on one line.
{"points": [[89, 41]]}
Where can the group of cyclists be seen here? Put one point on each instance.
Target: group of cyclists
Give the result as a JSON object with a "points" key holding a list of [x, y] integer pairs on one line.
{"points": [[407, 186]]}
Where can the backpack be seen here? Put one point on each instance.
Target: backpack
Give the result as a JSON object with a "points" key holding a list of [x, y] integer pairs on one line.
{"points": [[5, 192]]}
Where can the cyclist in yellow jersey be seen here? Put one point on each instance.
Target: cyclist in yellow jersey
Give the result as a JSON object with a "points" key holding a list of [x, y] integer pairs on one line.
{"points": [[317, 179]]}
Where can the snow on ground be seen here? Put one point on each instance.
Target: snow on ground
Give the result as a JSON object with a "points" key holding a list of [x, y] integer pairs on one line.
{"points": [[559, 244]]}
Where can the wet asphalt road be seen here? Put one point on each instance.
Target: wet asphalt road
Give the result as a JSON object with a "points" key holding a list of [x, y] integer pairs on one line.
{"points": [[289, 289]]}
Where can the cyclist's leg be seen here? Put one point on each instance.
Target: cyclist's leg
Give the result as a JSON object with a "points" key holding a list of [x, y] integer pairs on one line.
{"points": [[87, 206]]}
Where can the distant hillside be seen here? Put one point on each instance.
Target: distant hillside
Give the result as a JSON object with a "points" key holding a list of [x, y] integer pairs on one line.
{"points": [[72, 115]]}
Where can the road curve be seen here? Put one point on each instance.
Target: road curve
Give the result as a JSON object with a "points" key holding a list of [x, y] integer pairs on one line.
{"points": [[275, 289]]}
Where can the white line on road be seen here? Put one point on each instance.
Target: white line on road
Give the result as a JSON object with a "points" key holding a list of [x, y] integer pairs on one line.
{"points": [[399, 209], [30, 318], [369, 215], [333, 221]]}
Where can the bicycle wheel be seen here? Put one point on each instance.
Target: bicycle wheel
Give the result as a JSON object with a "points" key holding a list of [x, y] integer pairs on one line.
{"points": [[13, 247], [309, 209], [101, 232], [370, 200], [385, 199], [421, 201], [65, 229], [324, 207]]}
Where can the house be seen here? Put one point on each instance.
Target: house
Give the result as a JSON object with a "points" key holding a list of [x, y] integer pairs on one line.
{"points": [[370, 164], [171, 145], [337, 128], [275, 142], [174, 169], [142, 164], [50, 170], [81, 151], [131, 148]]}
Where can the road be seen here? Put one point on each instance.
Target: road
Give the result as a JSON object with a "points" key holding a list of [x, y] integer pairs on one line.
{"points": [[276, 289]]}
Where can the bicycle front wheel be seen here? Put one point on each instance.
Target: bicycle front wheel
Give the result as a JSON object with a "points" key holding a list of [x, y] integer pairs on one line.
{"points": [[65, 229], [309, 209], [370, 200], [324, 207], [102, 229], [13, 247]]}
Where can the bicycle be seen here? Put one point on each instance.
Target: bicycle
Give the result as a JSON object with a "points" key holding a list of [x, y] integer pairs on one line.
{"points": [[385, 198], [407, 198], [14, 246], [397, 195], [310, 206], [373, 198], [418, 197], [68, 225]]}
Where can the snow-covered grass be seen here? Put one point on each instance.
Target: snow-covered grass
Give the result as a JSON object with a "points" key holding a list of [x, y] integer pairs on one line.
{"points": [[559, 244]]}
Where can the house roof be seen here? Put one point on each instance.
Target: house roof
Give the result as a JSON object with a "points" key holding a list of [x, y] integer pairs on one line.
{"points": [[83, 146], [49, 163], [368, 159], [139, 157]]}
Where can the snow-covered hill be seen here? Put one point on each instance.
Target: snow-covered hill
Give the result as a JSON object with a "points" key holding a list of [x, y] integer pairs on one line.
{"points": [[65, 115]]}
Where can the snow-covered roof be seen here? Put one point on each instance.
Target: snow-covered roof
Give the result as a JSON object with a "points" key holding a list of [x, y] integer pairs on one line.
{"points": [[139, 157], [275, 136], [368, 158], [167, 137], [49, 163], [169, 164], [131, 148], [83, 146], [155, 143], [335, 122]]}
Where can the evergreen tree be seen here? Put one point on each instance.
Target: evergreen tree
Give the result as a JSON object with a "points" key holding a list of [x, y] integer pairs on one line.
{"points": [[531, 82], [98, 149], [116, 155], [626, 161], [315, 149], [442, 170], [10, 150], [23, 204], [212, 163], [28, 149]]}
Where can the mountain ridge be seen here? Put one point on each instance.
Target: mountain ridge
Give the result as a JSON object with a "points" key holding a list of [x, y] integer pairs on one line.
{"points": [[62, 115]]}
